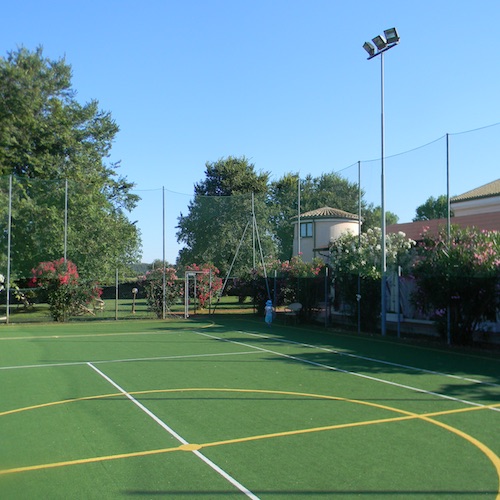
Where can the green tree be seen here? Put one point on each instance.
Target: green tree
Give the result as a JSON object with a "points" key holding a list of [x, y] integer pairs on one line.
{"points": [[372, 217], [47, 137], [433, 208], [220, 214], [315, 192]]}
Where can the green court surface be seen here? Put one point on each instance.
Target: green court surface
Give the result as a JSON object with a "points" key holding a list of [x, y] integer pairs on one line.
{"points": [[228, 408]]}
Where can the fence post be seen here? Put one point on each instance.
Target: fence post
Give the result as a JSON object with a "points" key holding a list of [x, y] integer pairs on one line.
{"points": [[116, 295]]}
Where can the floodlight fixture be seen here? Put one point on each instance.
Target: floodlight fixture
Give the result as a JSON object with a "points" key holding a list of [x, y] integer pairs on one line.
{"points": [[391, 35], [380, 42], [369, 48], [383, 44]]}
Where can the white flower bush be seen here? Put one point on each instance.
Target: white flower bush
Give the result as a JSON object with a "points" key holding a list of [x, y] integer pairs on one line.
{"points": [[348, 255]]}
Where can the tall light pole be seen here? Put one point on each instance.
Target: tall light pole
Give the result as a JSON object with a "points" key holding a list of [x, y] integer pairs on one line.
{"points": [[383, 43]]}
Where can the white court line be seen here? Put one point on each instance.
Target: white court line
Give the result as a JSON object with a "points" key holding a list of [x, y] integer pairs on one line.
{"points": [[179, 438], [126, 360], [374, 360], [348, 372]]}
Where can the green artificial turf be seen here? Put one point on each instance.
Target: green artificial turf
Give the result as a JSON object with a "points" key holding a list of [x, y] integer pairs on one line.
{"points": [[283, 411]]}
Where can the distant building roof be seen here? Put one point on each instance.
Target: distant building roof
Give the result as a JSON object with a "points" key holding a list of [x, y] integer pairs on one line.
{"points": [[486, 191], [414, 230], [328, 213]]}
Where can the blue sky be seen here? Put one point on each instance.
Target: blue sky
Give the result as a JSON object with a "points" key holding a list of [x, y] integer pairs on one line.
{"points": [[284, 83]]}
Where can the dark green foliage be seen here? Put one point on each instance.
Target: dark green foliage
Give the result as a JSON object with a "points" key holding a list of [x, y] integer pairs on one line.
{"points": [[433, 208], [153, 288], [46, 138], [221, 214]]}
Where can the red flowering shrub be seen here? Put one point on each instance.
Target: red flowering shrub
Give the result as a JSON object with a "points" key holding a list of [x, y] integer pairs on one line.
{"points": [[208, 282], [66, 294], [55, 272]]}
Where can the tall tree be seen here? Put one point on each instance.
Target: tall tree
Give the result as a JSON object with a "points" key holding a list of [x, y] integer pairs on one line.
{"points": [[220, 214], [47, 137], [315, 192], [433, 208]]}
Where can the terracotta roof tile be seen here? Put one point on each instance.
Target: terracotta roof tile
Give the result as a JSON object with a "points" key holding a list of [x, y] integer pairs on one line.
{"points": [[329, 213], [490, 189], [414, 230]]}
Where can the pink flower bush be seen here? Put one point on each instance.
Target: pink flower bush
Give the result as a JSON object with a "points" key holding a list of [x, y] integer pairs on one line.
{"points": [[66, 294], [208, 282], [460, 275]]}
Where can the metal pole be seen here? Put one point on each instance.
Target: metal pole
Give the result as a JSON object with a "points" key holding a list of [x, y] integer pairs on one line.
{"points": [[253, 232], [326, 296], [209, 291], [383, 243], [275, 291], [448, 231], [298, 215], [398, 304], [65, 220], [448, 204], [9, 230], [186, 295], [164, 290], [358, 301], [116, 294]]}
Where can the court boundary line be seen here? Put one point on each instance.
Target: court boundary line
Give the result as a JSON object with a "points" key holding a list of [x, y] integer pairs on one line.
{"points": [[374, 360], [348, 372], [406, 416], [186, 445], [124, 360]]}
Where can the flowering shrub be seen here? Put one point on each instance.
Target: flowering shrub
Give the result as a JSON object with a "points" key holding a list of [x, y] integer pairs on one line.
{"points": [[153, 287], [208, 282], [352, 256], [66, 294], [59, 272], [461, 276], [297, 281], [295, 267]]}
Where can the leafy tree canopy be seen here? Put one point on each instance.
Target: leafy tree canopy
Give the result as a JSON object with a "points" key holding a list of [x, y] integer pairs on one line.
{"points": [[433, 208], [47, 137], [315, 192], [219, 226]]}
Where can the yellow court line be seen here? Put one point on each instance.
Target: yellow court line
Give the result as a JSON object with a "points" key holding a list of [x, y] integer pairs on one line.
{"points": [[406, 415]]}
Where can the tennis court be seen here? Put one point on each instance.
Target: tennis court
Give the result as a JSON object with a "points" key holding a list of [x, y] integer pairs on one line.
{"points": [[228, 408]]}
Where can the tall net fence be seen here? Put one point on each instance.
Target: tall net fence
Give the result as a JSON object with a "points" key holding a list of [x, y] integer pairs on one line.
{"points": [[46, 220]]}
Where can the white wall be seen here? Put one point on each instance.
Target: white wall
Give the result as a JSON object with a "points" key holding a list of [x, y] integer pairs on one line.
{"points": [[324, 230]]}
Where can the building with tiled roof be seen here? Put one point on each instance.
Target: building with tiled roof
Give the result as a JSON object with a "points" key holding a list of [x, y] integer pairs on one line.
{"points": [[479, 208], [482, 200], [318, 227]]}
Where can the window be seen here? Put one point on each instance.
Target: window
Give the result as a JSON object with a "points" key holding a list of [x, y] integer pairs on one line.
{"points": [[306, 229]]}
